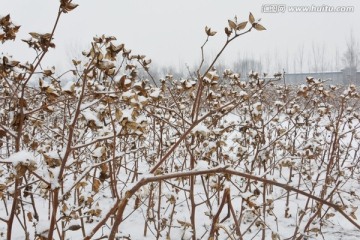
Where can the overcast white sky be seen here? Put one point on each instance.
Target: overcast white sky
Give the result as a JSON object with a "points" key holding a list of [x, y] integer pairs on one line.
{"points": [[171, 32]]}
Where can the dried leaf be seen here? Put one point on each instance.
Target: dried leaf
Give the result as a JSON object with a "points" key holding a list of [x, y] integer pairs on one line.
{"points": [[171, 199], [35, 35], [20, 170], [314, 230], [75, 62], [329, 215], [232, 24], [109, 39], [137, 203], [275, 236], [26, 138], [118, 114], [212, 33], [96, 185], [2, 134], [4, 21], [209, 32], [81, 185], [67, 6], [30, 217], [48, 72], [228, 31], [34, 145], [251, 18], [259, 27], [241, 26], [74, 227], [64, 207], [184, 224]]}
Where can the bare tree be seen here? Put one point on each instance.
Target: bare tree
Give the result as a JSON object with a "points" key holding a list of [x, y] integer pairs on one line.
{"points": [[267, 62], [287, 61], [245, 64], [337, 59], [351, 55], [300, 56], [350, 59], [318, 54]]}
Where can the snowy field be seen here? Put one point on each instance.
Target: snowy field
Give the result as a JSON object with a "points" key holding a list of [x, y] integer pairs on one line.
{"points": [[277, 162]]}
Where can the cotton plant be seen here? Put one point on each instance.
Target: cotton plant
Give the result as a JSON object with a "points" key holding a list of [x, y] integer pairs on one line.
{"points": [[210, 156]]}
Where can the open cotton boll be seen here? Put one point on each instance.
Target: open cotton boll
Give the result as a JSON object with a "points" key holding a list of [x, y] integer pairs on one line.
{"points": [[201, 129], [21, 157], [202, 165]]}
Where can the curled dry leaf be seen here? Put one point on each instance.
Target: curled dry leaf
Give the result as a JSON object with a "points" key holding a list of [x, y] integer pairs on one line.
{"points": [[67, 6], [9, 30], [49, 72], [4, 21], [209, 32], [228, 31]]}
